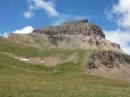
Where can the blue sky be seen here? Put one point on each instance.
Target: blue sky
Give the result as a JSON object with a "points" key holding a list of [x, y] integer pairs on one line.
{"points": [[12, 17], [16, 15]]}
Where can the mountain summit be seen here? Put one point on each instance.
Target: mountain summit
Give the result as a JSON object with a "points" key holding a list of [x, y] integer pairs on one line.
{"points": [[73, 34]]}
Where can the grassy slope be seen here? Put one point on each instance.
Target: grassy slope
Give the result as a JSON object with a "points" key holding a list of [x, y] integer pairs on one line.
{"points": [[18, 79]]}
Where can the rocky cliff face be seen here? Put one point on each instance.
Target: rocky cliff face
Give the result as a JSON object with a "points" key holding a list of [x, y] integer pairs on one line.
{"points": [[74, 34], [109, 64], [73, 28], [109, 59]]}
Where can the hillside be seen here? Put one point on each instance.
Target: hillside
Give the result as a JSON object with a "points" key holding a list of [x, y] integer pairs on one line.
{"points": [[69, 60], [18, 79], [104, 56]]}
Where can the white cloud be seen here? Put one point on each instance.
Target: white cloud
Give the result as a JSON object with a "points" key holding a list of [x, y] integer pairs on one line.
{"points": [[5, 34], [122, 38], [121, 10], [28, 14], [120, 13], [47, 6], [25, 30]]}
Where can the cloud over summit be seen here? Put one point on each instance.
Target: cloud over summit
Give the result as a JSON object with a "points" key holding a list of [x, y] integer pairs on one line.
{"points": [[25, 30]]}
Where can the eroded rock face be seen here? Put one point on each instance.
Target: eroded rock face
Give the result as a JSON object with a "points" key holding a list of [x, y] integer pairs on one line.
{"points": [[75, 34], [78, 34], [82, 27], [109, 59]]}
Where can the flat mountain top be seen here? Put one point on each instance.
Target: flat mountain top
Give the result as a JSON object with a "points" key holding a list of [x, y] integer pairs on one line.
{"points": [[73, 34], [73, 27]]}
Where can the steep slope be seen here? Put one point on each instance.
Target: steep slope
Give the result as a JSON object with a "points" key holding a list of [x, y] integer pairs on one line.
{"points": [[75, 34], [69, 79], [109, 63], [102, 62]]}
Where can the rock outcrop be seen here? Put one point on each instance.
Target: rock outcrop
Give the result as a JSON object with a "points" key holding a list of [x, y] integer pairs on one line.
{"points": [[109, 59], [82, 27], [75, 34], [109, 64]]}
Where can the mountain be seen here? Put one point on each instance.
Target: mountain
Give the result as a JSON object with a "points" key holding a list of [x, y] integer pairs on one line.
{"points": [[75, 34], [105, 58], [69, 60]]}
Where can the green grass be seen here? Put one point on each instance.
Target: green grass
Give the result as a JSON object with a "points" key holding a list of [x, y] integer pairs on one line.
{"points": [[7, 46], [19, 79], [51, 85]]}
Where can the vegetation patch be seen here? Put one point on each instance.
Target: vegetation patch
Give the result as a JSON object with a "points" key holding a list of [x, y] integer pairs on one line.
{"points": [[52, 39]]}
